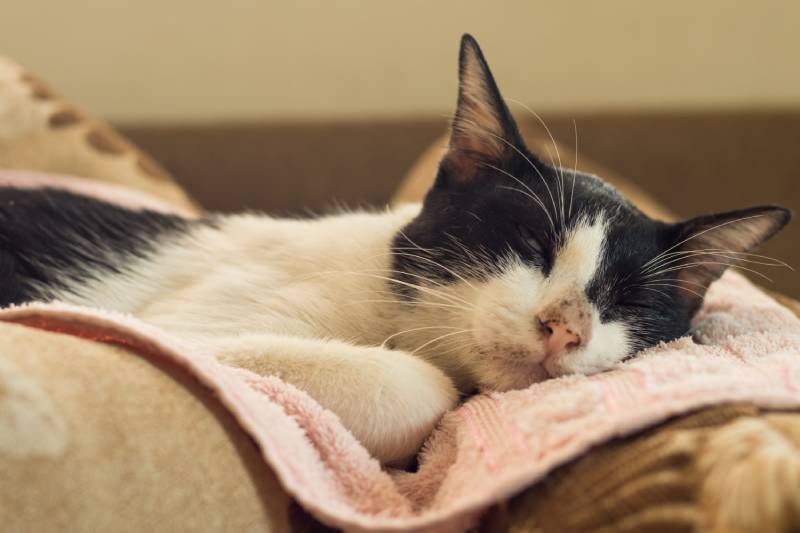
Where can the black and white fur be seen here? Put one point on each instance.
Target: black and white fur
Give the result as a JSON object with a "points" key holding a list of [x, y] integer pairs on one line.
{"points": [[386, 317]]}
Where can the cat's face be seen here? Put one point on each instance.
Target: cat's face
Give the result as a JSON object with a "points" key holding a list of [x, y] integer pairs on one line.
{"points": [[516, 270]]}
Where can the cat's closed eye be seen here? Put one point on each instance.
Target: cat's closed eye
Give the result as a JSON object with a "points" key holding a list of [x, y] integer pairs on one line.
{"points": [[530, 240]]}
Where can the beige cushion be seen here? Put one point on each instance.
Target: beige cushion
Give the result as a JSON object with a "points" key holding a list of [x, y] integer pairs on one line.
{"points": [[93, 438], [39, 130]]}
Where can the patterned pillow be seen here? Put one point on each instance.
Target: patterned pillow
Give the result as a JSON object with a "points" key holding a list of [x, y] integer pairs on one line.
{"points": [[41, 131]]}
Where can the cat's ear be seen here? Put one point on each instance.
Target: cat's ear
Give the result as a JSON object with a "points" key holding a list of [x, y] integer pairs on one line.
{"points": [[483, 132], [705, 246]]}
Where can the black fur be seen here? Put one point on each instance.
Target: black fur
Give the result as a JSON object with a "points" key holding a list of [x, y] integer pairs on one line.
{"points": [[51, 236]]}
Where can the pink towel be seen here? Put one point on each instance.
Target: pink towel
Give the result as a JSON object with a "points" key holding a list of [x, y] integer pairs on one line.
{"points": [[494, 445]]}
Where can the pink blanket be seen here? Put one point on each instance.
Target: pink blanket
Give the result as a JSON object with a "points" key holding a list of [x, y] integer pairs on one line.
{"points": [[494, 445]]}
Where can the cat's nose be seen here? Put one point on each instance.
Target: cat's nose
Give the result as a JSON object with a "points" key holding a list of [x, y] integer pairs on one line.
{"points": [[559, 336]]}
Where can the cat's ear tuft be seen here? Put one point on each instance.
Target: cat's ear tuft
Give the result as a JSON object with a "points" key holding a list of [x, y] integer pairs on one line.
{"points": [[483, 132], [707, 245]]}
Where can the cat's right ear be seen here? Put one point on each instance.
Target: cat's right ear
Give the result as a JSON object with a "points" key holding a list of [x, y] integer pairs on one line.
{"points": [[707, 245], [483, 133]]}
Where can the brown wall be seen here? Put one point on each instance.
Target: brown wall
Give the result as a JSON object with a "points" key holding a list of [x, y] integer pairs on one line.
{"points": [[693, 162]]}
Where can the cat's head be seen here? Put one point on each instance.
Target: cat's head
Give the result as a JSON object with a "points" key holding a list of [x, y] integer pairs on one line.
{"points": [[525, 271]]}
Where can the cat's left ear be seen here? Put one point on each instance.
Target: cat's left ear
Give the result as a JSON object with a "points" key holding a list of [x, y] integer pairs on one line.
{"points": [[706, 246], [483, 132]]}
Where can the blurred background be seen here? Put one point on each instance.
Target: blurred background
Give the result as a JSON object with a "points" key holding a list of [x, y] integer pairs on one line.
{"points": [[283, 105]]}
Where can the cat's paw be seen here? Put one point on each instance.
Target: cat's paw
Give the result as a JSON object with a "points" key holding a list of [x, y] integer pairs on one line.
{"points": [[403, 397]]}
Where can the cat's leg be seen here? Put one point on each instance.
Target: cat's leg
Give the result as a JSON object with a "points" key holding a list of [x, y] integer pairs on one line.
{"points": [[389, 400]]}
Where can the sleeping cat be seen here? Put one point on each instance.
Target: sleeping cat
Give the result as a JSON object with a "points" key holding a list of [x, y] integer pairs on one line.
{"points": [[512, 271]]}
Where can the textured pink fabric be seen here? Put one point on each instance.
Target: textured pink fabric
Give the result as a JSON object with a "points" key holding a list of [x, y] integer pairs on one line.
{"points": [[495, 444]]}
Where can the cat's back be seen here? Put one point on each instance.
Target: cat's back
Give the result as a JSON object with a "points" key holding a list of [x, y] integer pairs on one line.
{"points": [[241, 272], [51, 239]]}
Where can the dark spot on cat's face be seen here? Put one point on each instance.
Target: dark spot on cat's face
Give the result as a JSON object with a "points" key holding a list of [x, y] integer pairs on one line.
{"points": [[515, 241]]}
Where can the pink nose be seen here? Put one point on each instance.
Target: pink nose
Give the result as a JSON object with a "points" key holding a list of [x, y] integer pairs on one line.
{"points": [[559, 337]]}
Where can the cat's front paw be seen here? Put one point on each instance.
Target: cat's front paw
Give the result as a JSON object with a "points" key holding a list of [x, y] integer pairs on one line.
{"points": [[403, 399]]}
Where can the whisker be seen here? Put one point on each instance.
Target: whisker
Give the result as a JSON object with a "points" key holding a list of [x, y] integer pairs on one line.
{"points": [[672, 285], [399, 251], [425, 250], [436, 263], [477, 256], [701, 285], [698, 234], [456, 347], [428, 290], [719, 251], [440, 294], [394, 271], [390, 337], [656, 290], [525, 157], [473, 215], [575, 172], [461, 332], [559, 169], [723, 255], [552, 224], [700, 263], [469, 253], [415, 303]]}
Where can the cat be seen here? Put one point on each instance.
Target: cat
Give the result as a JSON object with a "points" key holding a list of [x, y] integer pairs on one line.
{"points": [[511, 271]]}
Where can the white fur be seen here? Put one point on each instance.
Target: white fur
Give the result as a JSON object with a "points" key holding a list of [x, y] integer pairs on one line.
{"points": [[310, 302], [507, 348]]}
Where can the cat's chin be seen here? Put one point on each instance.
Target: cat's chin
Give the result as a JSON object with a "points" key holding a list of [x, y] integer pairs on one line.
{"points": [[500, 374]]}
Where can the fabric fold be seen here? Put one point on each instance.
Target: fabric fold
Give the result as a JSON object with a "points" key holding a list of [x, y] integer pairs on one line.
{"points": [[745, 348]]}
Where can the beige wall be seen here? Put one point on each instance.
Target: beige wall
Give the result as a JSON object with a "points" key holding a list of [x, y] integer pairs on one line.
{"points": [[198, 59]]}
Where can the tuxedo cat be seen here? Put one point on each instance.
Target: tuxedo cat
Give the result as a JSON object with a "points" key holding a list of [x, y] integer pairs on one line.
{"points": [[512, 271]]}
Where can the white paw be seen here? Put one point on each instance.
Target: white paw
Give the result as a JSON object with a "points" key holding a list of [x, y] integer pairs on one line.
{"points": [[402, 398]]}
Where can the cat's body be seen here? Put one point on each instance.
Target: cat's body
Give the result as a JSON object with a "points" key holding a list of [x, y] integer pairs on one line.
{"points": [[226, 274], [511, 272], [302, 299]]}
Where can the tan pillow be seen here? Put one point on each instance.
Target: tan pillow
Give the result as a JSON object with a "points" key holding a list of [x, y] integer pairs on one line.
{"points": [[93, 438], [41, 131]]}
